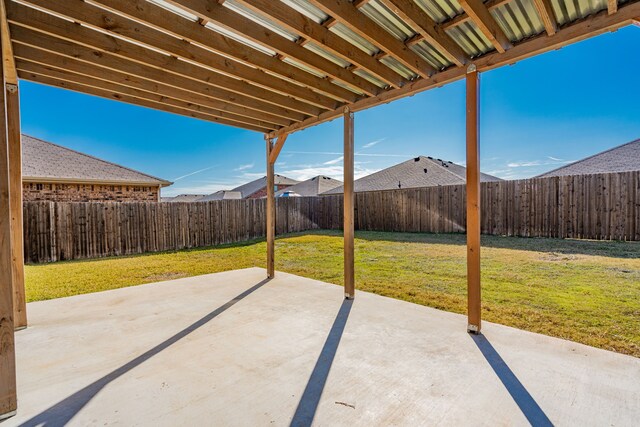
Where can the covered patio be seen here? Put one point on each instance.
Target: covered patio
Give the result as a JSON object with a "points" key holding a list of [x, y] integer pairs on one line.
{"points": [[277, 67], [235, 349]]}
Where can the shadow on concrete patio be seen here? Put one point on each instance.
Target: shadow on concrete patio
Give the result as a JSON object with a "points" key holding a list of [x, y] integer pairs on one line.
{"points": [[62, 412], [527, 404], [306, 410]]}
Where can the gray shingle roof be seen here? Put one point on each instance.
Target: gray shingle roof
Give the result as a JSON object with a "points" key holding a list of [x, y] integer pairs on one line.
{"points": [[44, 161], [183, 198], [623, 158], [418, 172], [312, 187], [222, 195], [254, 186]]}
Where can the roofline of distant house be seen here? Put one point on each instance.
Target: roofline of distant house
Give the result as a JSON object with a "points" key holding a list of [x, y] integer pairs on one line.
{"points": [[160, 181], [48, 180], [542, 175]]}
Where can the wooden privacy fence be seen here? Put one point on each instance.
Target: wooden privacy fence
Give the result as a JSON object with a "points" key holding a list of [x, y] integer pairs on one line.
{"points": [[604, 206]]}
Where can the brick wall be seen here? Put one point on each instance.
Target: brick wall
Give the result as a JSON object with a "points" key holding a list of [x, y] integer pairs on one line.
{"points": [[32, 191], [263, 192]]}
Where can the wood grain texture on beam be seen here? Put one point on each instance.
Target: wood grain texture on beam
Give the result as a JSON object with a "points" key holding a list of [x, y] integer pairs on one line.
{"points": [[31, 54], [545, 11], [300, 24], [348, 205], [423, 24], [8, 391], [581, 30], [349, 15], [271, 211], [488, 26], [474, 312], [164, 20], [14, 140], [76, 87], [133, 31], [612, 6], [239, 24], [57, 35], [10, 75], [48, 71], [277, 148]]}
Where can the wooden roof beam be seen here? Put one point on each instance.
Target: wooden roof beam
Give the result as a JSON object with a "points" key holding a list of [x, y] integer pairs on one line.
{"points": [[132, 100], [306, 86], [168, 71], [49, 59], [247, 28], [612, 6], [422, 23], [545, 11], [350, 16], [488, 26], [10, 74], [592, 26], [34, 25], [308, 29], [45, 71], [132, 30]]}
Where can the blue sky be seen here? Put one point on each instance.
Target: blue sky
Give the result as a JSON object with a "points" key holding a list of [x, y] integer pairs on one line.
{"points": [[535, 116]]}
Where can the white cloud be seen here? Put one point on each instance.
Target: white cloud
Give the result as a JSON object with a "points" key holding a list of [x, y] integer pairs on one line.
{"points": [[373, 143], [244, 167], [334, 161], [193, 173]]}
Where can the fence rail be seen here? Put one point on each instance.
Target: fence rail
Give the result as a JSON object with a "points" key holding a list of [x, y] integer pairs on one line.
{"points": [[604, 206]]}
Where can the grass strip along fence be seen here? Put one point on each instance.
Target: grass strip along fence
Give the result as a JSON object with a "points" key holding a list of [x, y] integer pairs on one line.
{"points": [[602, 207]]}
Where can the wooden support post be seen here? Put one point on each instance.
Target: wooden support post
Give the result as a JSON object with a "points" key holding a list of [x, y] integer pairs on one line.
{"points": [[271, 211], [349, 263], [8, 401], [473, 202], [15, 192]]}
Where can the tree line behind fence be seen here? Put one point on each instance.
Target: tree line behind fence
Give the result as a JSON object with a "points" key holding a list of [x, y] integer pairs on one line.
{"points": [[603, 206]]}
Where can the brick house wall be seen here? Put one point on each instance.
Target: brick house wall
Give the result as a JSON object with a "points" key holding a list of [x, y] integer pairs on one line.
{"points": [[32, 191], [263, 192]]}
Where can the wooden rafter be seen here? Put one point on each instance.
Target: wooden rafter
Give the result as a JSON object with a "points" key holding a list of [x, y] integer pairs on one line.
{"points": [[308, 29], [10, 75], [102, 59], [166, 21], [358, 22], [589, 27], [30, 69], [422, 23], [99, 82], [277, 148], [136, 32], [545, 11], [481, 16], [239, 24], [612, 6], [131, 100]]}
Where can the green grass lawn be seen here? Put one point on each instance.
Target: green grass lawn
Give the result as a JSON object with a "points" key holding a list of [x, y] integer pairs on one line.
{"points": [[585, 291]]}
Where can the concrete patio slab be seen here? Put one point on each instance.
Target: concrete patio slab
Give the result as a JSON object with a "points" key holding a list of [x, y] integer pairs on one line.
{"points": [[232, 349]]}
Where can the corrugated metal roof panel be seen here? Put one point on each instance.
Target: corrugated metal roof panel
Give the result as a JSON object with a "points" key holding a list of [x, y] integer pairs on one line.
{"points": [[431, 55], [353, 38], [307, 9], [440, 10], [469, 37], [570, 10], [267, 23], [385, 18], [364, 74], [518, 19], [319, 50], [398, 67]]}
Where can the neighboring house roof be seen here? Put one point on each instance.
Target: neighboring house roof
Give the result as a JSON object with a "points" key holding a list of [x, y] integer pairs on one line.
{"points": [[312, 187], [254, 186], [418, 172], [623, 158], [44, 161], [183, 198], [222, 195]]}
